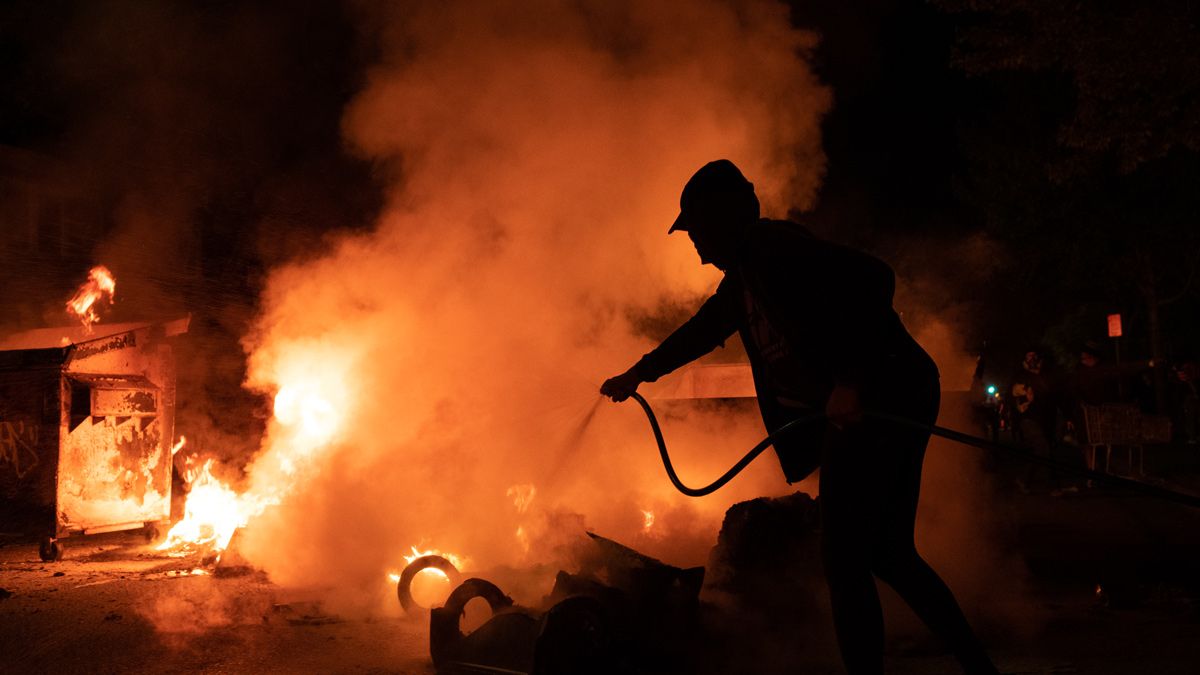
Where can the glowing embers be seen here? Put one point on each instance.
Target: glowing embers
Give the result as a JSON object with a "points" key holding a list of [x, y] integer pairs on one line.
{"points": [[100, 286]]}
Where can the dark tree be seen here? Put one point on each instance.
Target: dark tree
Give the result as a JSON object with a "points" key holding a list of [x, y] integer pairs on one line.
{"points": [[1086, 162]]}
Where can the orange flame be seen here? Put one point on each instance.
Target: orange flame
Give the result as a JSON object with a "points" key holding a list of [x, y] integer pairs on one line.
{"points": [[458, 561], [101, 285], [647, 520], [212, 513]]}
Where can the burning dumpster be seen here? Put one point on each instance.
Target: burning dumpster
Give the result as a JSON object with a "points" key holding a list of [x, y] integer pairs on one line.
{"points": [[87, 419]]}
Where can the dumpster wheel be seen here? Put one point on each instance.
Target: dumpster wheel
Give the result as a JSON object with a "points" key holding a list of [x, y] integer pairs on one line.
{"points": [[49, 550], [151, 532], [404, 586]]}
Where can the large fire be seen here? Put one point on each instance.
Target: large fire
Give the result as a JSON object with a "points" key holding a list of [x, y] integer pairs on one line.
{"points": [[212, 514], [214, 510], [101, 285]]}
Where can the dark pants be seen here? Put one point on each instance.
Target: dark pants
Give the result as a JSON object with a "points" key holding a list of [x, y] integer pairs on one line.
{"points": [[870, 484]]}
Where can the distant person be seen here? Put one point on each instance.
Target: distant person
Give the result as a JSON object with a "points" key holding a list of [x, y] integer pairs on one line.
{"points": [[1187, 401], [1035, 418], [817, 322], [1095, 382]]}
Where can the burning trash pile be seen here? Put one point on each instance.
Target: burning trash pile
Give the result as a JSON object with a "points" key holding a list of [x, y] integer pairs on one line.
{"points": [[623, 611]]}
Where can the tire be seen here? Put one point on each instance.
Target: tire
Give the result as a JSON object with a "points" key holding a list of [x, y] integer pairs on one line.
{"points": [[404, 586]]}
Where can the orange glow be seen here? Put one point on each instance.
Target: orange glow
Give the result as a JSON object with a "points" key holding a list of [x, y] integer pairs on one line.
{"points": [[430, 587], [100, 285]]}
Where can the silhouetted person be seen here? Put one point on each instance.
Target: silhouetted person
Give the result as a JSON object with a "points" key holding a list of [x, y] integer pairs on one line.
{"points": [[818, 325], [1035, 417], [1186, 395], [1095, 382]]}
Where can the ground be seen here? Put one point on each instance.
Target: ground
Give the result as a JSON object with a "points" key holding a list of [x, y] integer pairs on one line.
{"points": [[114, 605]]}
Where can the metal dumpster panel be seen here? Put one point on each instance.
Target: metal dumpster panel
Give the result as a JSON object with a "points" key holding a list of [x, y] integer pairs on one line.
{"points": [[115, 464], [29, 434]]}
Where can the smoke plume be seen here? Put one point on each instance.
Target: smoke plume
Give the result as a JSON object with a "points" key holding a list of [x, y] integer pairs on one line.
{"points": [[532, 155]]}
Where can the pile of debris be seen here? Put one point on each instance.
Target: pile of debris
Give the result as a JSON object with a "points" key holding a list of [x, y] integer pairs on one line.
{"points": [[625, 612]]}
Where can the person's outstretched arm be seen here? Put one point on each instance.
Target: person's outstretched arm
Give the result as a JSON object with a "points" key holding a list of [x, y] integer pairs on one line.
{"points": [[716, 320]]}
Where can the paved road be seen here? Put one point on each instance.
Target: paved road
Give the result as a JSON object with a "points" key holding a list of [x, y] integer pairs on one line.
{"points": [[118, 607], [115, 606]]}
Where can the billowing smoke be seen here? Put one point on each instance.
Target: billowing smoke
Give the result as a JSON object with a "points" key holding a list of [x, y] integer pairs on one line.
{"points": [[533, 156], [963, 526]]}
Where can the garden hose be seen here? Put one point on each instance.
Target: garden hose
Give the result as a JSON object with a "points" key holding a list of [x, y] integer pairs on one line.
{"points": [[1144, 489]]}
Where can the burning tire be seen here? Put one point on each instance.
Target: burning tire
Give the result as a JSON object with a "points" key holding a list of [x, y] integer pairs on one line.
{"points": [[404, 586], [49, 550]]}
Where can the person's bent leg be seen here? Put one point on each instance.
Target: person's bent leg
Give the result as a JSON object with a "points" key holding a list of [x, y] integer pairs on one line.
{"points": [[898, 564], [933, 602]]}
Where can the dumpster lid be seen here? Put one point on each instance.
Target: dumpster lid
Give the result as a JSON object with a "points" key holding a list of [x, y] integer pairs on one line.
{"points": [[113, 381], [65, 336]]}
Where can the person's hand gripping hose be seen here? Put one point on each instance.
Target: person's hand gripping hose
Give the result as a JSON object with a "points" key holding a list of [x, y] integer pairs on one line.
{"points": [[621, 387]]}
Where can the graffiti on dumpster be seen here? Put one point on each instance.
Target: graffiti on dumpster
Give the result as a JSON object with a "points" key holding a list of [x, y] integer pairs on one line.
{"points": [[18, 443], [121, 341]]}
